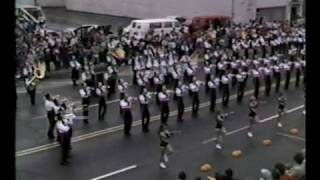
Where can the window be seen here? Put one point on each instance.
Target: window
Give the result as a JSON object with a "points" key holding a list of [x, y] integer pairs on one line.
{"points": [[167, 24], [134, 25], [155, 25]]}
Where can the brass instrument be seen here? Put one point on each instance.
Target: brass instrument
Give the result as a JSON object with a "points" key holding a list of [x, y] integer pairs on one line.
{"points": [[38, 73]]}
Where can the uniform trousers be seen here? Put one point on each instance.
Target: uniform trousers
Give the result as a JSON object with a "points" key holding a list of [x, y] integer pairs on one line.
{"points": [[145, 117], [127, 117], [164, 112], [52, 122], [180, 105]]}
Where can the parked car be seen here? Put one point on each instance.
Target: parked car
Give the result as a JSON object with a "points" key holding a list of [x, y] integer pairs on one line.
{"points": [[88, 27], [203, 22]]}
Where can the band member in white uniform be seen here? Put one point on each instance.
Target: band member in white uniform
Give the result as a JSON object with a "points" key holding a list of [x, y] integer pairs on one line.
{"points": [[225, 90], [241, 86], [125, 105], [207, 71], [164, 104], [256, 82], [31, 88], [297, 66], [194, 87], [287, 70], [179, 92], [144, 99], [267, 79], [122, 86], [213, 84], [85, 93], [64, 134], [50, 107], [101, 92]]}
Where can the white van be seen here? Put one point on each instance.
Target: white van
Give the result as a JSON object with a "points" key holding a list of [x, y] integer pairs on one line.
{"points": [[141, 27]]}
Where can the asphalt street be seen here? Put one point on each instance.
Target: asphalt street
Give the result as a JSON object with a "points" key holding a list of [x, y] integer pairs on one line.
{"points": [[32, 123], [137, 157]]}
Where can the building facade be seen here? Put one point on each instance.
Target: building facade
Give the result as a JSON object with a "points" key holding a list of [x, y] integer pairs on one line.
{"points": [[239, 10]]}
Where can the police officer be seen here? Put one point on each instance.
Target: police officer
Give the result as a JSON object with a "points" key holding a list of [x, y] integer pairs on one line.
{"points": [[213, 84], [85, 93], [125, 105], [164, 104], [225, 90], [267, 79], [75, 70], [144, 99], [281, 108], [101, 91], [220, 130], [179, 92], [63, 133], [50, 107], [253, 105], [241, 85], [194, 87]]}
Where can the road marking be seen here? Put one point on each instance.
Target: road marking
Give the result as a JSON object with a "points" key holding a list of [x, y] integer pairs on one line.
{"points": [[246, 127], [115, 172], [116, 128], [291, 136]]}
